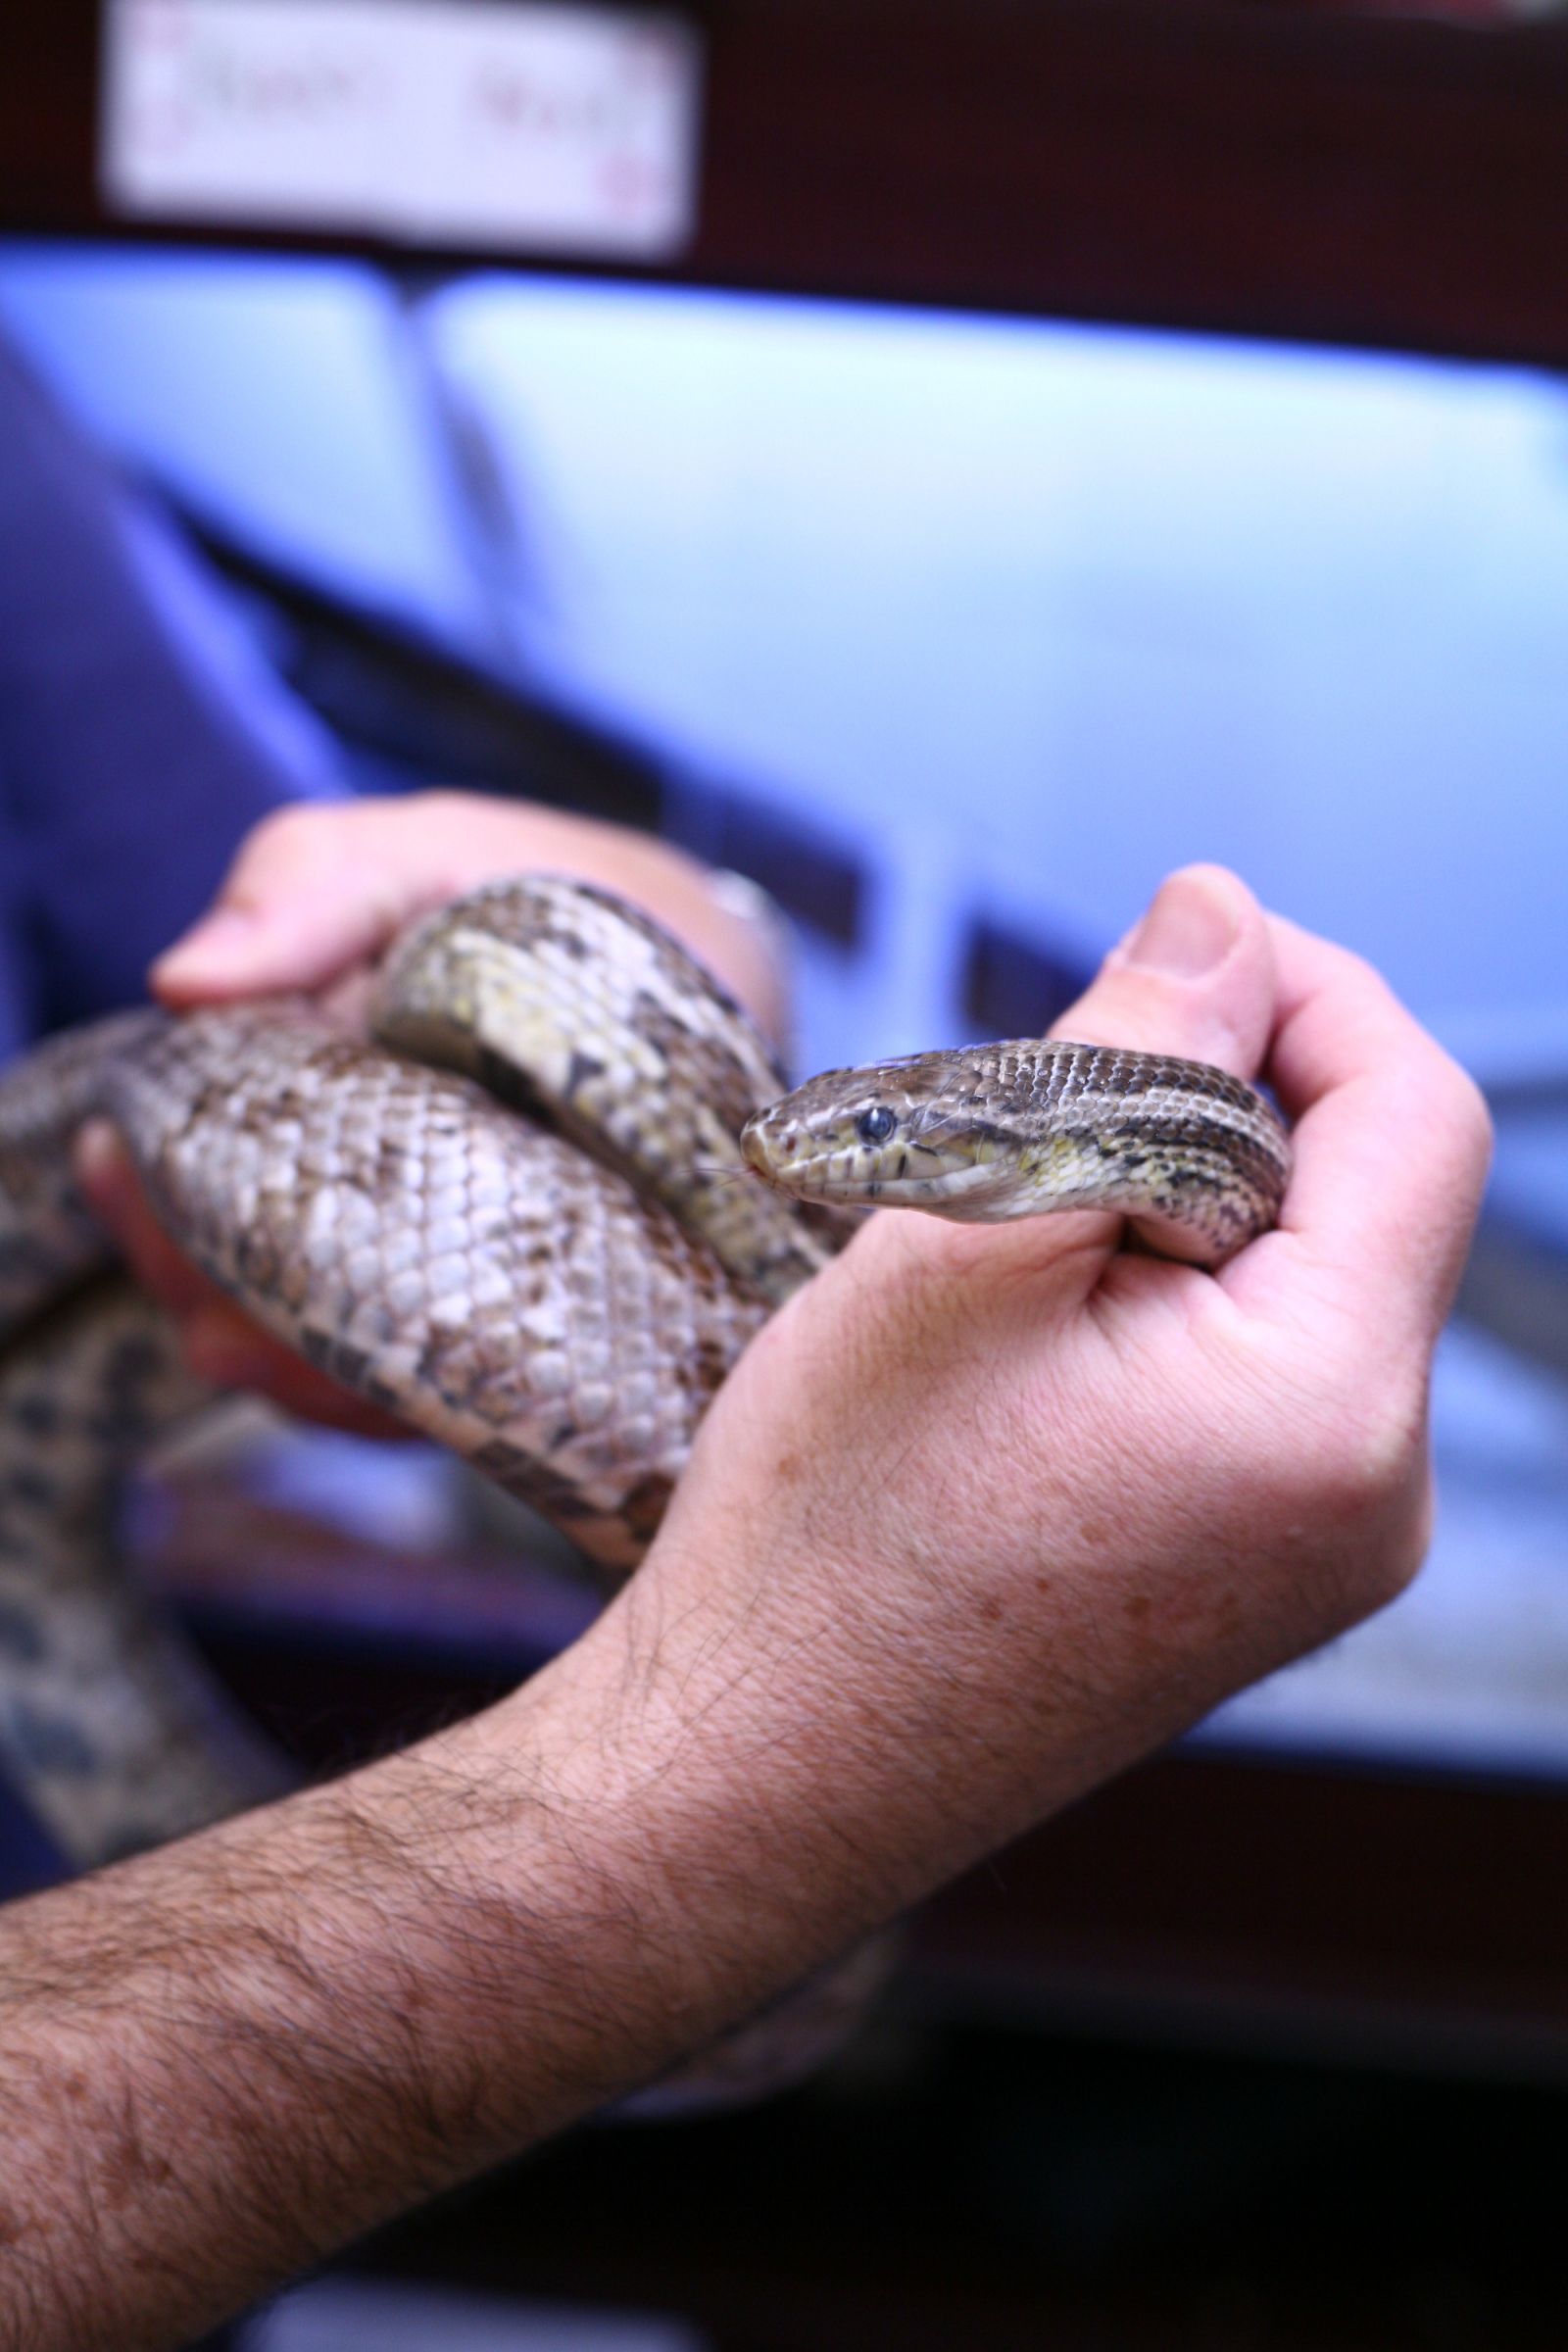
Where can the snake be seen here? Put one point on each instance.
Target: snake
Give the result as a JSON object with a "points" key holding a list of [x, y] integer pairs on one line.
{"points": [[522, 1212]]}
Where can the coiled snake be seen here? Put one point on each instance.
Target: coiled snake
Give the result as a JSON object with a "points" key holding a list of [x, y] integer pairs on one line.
{"points": [[557, 1302]]}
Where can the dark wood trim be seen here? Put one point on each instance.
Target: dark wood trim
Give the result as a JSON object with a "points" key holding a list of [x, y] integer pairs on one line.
{"points": [[1203, 164], [1418, 1919]]}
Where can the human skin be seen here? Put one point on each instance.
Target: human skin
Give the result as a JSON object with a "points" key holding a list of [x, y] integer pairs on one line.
{"points": [[983, 1514]]}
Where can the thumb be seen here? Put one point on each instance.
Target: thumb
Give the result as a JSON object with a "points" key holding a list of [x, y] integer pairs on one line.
{"points": [[1195, 977], [311, 892]]}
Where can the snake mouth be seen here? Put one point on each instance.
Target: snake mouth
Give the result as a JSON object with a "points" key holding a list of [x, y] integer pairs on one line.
{"points": [[767, 1148]]}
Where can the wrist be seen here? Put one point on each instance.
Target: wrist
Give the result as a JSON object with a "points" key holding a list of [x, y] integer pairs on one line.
{"points": [[784, 1754], [752, 1779]]}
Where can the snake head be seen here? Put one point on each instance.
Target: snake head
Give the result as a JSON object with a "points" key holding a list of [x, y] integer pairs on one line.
{"points": [[905, 1134]]}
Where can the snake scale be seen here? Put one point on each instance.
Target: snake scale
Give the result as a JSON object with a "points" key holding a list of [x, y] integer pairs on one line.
{"points": [[556, 1296]]}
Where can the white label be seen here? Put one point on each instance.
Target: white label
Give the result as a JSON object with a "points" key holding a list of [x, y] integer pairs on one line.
{"points": [[473, 122]]}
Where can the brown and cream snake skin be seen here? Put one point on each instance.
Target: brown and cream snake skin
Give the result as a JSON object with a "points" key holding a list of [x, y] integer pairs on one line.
{"points": [[556, 1301]]}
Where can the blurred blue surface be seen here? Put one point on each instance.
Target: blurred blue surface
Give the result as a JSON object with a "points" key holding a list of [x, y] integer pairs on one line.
{"points": [[364, 2315], [141, 732], [270, 392], [1023, 614], [1036, 611]]}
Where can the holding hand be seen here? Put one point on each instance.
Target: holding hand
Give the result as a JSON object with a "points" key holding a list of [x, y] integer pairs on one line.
{"points": [[985, 1512]]}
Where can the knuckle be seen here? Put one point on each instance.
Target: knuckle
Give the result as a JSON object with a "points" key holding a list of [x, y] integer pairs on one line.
{"points": [[1367, 994], [1368, 1482], [1380, 1439], [1328, 1475], [1472, 1119], [1460, 1109]]}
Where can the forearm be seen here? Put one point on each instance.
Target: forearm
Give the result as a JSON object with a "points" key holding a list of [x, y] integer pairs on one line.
{"points": [[222, 2061]]}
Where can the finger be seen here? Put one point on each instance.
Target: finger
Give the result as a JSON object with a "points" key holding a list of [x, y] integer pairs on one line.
{"points": [[1195, 978], [316, 891], [311, 892], [1392, 1141]]}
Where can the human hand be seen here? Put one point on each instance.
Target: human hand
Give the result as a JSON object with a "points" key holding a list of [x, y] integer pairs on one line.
{"points": [[985, 1512], [312, 898]]}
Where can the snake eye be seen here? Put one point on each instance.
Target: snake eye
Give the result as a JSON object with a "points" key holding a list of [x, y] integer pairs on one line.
{"points": [[874, 1126]]}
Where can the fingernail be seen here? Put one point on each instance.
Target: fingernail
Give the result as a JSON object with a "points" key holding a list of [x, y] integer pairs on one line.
{"points": [[212, 946], [1190, 928]]}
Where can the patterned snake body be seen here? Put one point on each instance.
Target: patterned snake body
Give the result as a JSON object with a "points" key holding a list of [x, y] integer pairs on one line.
{"points": [[560, 1306]]}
